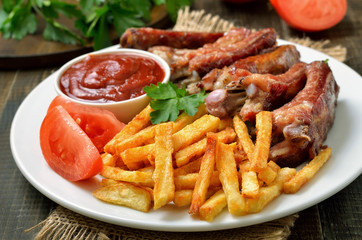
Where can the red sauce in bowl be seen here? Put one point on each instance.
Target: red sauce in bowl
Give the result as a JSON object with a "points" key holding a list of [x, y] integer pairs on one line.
{"points": [[110, 77]]}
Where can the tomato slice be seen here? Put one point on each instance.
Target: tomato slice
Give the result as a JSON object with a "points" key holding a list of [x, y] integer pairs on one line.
{"points": [[311, 15], [66, 147], [100, 125]]}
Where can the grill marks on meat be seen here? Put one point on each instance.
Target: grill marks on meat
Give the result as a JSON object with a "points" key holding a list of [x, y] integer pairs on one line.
{"points": [[235, 44], [179, 59], [276, 61], [303, 123], [144, 38], [251, 45]]}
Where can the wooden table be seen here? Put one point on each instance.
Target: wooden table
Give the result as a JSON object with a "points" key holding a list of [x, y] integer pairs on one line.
{"points": [[339, 217]]}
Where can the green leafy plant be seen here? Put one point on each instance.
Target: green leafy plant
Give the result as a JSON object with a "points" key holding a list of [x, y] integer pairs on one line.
{"points": [[93, 18], [168, 100]]}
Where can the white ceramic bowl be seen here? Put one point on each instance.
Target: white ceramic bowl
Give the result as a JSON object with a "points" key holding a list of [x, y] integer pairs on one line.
{"points": [[124, 110]]}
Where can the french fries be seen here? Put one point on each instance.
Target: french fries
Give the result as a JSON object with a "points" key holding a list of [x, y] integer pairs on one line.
{"points": [[195, 131], [307, 172], [139, 122], [164, 186], [204, 177], [259, 159], [199, 161], [225, 164], [213, 206], [125, 194]]}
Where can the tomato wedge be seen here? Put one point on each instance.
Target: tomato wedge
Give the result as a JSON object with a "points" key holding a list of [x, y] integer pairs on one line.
{"points": [[311, 15], [100, 125], [66, 147]]}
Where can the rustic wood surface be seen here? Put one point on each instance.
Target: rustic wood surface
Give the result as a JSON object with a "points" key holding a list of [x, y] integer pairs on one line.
{"points": [[339, 217]]}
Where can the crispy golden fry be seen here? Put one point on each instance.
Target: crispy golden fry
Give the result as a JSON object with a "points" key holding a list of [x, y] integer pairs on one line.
{"points": [[240, 155], [164, 188], [139, 122], [147, 169], [244, 166], [188, 181], [135, 140], [183, 197], [260, 155], [184, 119], [267, 175], [125, 194], [183, 156], [273, 166], [225, 163], [225, 123], [194, 131], [191, 167], [307, 172], [244, 139], [108, 182], [267, 194], [213, 206], [108, 159], [204, 177], [119, 174], [250, 184], [138, 155]]}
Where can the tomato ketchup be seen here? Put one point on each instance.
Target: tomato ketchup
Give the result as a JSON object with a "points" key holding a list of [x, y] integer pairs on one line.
{"points": [[110, 77]]}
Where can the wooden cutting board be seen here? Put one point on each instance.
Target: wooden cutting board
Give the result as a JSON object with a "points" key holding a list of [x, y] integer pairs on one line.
{"points": [[34, 52]]}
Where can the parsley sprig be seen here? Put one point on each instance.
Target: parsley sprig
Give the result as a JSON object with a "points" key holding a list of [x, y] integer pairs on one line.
{"points": [[93, 19], [168, 100]]}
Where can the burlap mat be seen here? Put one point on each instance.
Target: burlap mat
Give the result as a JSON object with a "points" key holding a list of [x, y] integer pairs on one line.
{"points": [[63, 224]]}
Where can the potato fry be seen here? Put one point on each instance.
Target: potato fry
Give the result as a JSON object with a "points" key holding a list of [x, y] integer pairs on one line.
{"points": [[307, 172], [197, 149], [267, 194], [184, 119], [164, 188], [250, 184], [225, 163], [194, 131], [138, 155], [108, 159], [260, 155], [136, 140], [125, 194], [213, 206], [188, 181], [240, 155], [273, 166], [244, 139], [108, 182], [225, 123], [139, 122], [183, 197], [267, 175], [119, 174], [204, 177], [191, 167], [244, 166]]}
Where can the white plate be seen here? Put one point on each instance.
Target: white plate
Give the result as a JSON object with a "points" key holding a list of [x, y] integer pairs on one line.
{"points": [[344, 166]]}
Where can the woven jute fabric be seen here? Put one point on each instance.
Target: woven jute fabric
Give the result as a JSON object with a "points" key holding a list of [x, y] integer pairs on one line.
{"points": [[63, 224]]}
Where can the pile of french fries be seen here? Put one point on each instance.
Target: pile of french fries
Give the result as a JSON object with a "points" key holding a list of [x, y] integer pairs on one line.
{"points": [[199, 161]]}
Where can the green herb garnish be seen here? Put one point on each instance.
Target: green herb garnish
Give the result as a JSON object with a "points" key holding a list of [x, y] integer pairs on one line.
{"points": [[168, 100], [93, 18]]}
